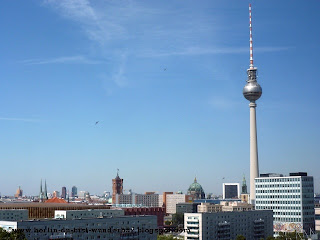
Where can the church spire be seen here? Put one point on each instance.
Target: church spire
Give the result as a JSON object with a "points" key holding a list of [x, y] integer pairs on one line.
{"points": [[45, 190]]}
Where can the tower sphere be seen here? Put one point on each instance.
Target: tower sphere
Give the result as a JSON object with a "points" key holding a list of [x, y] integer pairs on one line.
{"points": [[252, 91]]}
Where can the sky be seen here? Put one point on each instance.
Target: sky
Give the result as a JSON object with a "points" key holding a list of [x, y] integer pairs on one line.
{"points": [[164, 81]]}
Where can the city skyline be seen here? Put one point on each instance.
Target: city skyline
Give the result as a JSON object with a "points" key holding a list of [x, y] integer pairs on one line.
{"points": [[154, 89]]}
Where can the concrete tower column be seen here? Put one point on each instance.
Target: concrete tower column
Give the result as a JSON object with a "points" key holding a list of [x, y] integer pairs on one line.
{"points": [[254, 164]]}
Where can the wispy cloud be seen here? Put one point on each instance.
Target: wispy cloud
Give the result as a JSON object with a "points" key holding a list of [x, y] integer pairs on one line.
{"points": [[20, 119], [190, 51], [62, 60], [119, 77], [100, 23]]}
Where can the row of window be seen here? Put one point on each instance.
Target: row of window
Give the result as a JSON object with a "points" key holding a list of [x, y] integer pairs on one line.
{"points": [[287, 219], [277, 202], [278, 207], [277, 185], [278, 191], [278, 180]]}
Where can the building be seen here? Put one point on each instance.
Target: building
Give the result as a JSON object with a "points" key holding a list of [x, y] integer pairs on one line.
{"points": [[231, 190], [46, 210], [149, 199], [43, 194], [19, 193], [225, 206], [153, 211], [13, 214], [317, 218], [171, 200], [253, 225], [196, 190], [244, 189], [88, 213], [125, 199], [209, 207], [290, 197], [187, 207], [64, 193], [117, 187], [122, 227], [252, 91], [56, 194], [74, 191]]}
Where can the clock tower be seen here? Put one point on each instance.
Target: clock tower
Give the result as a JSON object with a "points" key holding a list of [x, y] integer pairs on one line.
{"points": [[117, 187]]}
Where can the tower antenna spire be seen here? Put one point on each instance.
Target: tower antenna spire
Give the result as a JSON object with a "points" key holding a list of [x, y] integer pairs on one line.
{"points": [[251, 45]]}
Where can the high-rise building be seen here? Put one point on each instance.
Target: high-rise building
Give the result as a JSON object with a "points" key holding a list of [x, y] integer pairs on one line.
{"points": [[43, 195], [74, 191], [18, 193], [231, 190], [56, 194], [64, 193], [252, 92], [117, 187], [290, 197]]}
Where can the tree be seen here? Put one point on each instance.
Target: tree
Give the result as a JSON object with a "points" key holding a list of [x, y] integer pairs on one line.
{"points": [[167, 223], [290, 235], [270, 238], [170, 237], [241, 237], [177, 219], [13, 235]]}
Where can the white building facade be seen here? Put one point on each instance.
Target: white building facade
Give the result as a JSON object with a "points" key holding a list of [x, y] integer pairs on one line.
{"points": [[253, 225], [91, 213], [230, 190], [317, 217], [290, 197]]}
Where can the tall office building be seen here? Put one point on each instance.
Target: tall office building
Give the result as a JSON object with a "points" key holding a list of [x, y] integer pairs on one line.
{"points": [[64, 193], [117, 187], [56, 194], [252, 92], [290, 197], [231, 190], [74, 191]]}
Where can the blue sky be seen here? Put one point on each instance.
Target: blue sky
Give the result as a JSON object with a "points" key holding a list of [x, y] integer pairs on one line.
{"points": [[164, 79]]}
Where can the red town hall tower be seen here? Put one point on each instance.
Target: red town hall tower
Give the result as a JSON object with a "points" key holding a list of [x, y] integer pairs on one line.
{"points": [[117, 187]]}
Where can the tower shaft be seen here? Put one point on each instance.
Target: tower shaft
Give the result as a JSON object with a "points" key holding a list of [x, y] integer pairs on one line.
{"points": [[254, 164]]}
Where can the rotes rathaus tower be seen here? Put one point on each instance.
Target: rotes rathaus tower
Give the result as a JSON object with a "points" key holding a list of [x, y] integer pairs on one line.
{"points": [[117, 187], [252, 92]]}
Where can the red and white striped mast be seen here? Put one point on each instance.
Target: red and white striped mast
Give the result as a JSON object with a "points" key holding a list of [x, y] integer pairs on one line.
{"points": [[251, 45]]}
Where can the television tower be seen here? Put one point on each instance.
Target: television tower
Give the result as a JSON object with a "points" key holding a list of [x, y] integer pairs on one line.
{"points": [[252, 92]]}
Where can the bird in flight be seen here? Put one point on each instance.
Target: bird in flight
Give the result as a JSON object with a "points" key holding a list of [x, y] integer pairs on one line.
{"points": [[97, 122], [164, 69]]}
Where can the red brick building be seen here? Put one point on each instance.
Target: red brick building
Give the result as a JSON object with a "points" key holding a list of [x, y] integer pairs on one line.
{"points": [[157, 211]]}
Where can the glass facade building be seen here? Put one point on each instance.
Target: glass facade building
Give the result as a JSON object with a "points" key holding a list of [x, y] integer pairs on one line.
{"points": [[290, 197]]}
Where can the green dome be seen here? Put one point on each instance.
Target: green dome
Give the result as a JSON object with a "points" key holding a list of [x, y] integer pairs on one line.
{"points": [[195, 186], [196, 190]]}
